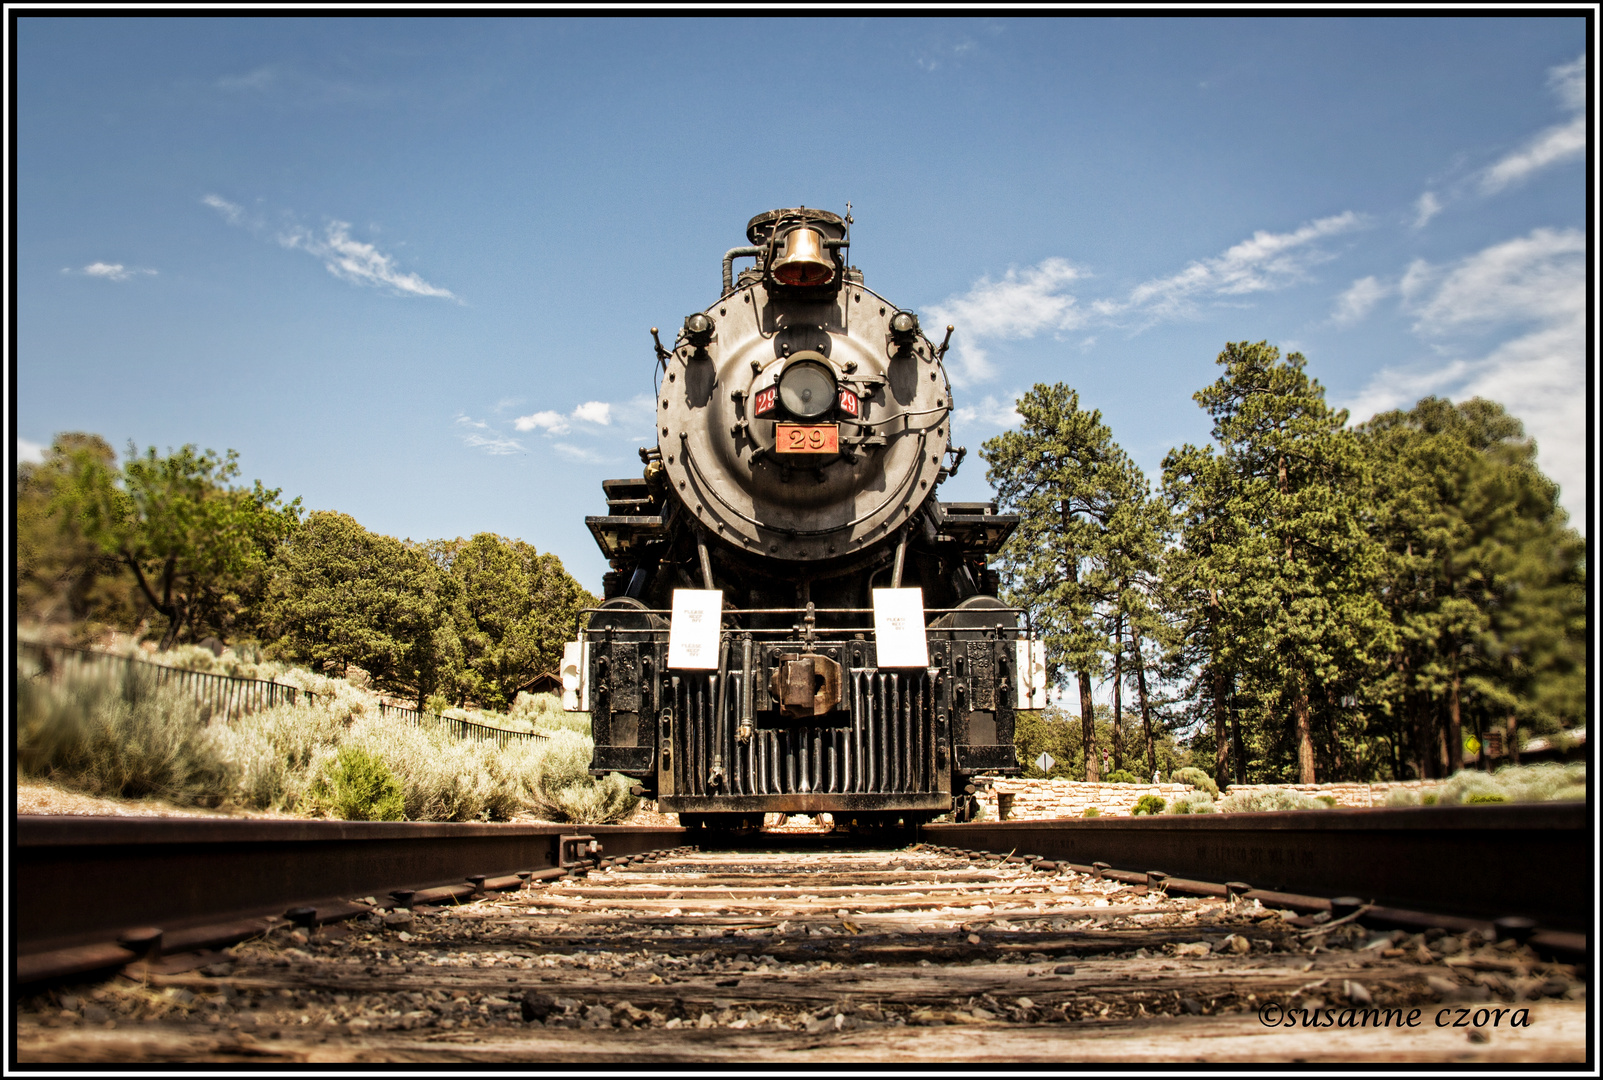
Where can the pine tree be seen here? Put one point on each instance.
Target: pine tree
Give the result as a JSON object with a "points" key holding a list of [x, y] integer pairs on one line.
{"points": [[1278, 562], [1079, 546]]}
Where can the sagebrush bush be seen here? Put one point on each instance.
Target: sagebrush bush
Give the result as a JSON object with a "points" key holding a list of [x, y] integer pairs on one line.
{"points": [[358, 787], [1271, 799], [1121, 776], [1148, 804], [1091, 811], [558, 784], [119, 733], [1546, 782], [1193, 802], [442, 777], [273, 751], [1197, 779]]}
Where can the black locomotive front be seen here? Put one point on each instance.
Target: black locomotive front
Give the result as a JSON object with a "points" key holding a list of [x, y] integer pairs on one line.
{"points": [[803, 429]]}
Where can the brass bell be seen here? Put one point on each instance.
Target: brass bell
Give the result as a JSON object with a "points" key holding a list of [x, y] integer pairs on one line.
{"points": [[803, 260]]}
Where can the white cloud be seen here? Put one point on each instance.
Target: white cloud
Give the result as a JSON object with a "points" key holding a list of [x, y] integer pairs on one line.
{"points": [[1264, 262], [1510, 322], [342, 255], [594, 412], [109, 271], [493, 444], [1533, 277], [1426, 207], [1559, 143], [577, 453], [28, 450], [552, 423], [1021, 305], [1036, 299], [362, 264], [231, 213], [1360, 298], [993, 412]]}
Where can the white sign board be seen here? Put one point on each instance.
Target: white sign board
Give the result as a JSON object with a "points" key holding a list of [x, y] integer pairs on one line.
{"points": [[693, 631], [899, 628], [575, 663], [1031, 668], [1045, 762]]}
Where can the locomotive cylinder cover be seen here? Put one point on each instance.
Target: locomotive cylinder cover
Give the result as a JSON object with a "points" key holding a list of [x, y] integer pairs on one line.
{"points": [[797, 423]]}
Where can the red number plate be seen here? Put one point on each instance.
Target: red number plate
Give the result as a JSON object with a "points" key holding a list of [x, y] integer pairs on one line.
{"points": [[806, 439]]}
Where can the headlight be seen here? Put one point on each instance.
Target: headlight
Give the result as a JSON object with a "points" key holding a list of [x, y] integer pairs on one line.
{"points": [[807, 389]]}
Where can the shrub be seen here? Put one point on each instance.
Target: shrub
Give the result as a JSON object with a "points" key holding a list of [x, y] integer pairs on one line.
{"points": [[1428, 799], [1269, 800], [1091, 811], [119, 733], [1197, 779], [442, 777], [1148, 804], [1517, 783], [557, 782], [273, 751], [359, 787], [1402, 797], [1193, 802], [1328, 800], [1121, 776]]}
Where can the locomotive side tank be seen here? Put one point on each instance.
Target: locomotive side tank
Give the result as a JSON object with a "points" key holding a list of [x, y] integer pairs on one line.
{"points": [[803, 429]]}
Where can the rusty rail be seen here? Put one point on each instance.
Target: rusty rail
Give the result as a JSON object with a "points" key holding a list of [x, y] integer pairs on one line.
{"points": [[1534, 861], [80, 885]]}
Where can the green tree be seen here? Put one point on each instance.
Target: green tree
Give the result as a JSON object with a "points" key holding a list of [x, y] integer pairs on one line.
{"points": [[514, 608], [62, 573], [1484, 581], [339, 595], [196, 545], [1281, 559], [1085, 535]]}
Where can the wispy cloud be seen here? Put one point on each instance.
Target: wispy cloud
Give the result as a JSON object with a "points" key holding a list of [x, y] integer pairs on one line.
{"points": [[109, 271], [1355, 304], [1508, 323], [1024, 303], [28, 450], [341, 254], [479, 435], [1426, 207], [993, 412], [578, 453], [361, 264], [1037, 299], [231, 213], [1264, 262], [1556, 144]]}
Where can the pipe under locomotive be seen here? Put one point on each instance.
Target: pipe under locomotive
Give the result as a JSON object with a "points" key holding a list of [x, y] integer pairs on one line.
{"points": [[803, 429]]}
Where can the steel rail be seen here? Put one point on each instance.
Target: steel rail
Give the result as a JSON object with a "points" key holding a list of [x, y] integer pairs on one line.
{"points": [[79, 885], [1534, 861]]}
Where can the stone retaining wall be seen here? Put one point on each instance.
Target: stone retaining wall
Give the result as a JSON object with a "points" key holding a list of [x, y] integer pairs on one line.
{"points": [[1034, 800]]}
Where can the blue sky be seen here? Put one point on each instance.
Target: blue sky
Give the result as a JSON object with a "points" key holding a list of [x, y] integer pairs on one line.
{"points": [[407, 267]]}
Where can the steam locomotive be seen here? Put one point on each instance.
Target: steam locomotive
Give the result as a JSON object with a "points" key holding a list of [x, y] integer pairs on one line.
{"points": [[850, 655]]}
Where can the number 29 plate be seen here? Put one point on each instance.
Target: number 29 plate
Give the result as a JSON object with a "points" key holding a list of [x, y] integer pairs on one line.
{"points": [[806, 439]]}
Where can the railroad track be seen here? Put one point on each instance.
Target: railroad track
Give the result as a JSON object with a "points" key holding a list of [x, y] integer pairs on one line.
{"points": [[806, 949]]}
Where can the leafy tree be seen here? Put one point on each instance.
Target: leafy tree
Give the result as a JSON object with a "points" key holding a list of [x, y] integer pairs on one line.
{"points": [[1484, 581], [340, 595], [1069, 482], [61, 571], [195, 545], [1282, 562], [514, 609]]}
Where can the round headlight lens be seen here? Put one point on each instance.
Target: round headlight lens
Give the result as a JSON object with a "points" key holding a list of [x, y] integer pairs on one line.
{"points": [[807, 390]]}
